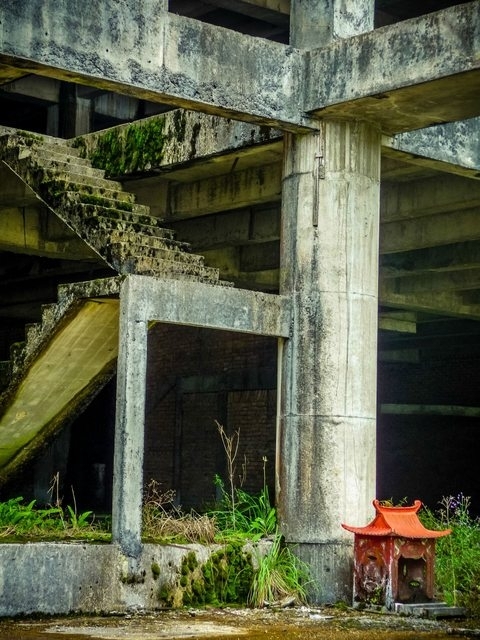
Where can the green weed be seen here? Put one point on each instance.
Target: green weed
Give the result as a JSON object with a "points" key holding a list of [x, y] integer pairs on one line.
{"points": [[457, 564], [280, 575]]}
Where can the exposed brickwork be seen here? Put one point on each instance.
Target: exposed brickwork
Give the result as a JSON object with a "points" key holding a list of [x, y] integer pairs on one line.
{"points": [[195, 377]]}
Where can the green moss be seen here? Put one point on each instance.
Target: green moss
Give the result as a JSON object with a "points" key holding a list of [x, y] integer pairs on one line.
{"points": [[132, 149], [225, 578], [29, 135], [155, 570]]}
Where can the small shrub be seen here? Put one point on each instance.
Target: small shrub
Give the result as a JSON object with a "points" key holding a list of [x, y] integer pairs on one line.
{"points": [[457, 564]]}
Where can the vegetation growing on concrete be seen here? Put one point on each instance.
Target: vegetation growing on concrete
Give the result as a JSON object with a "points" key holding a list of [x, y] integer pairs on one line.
{"points": [[21, 521], [457, 557], [164, 522], [125, 150]]}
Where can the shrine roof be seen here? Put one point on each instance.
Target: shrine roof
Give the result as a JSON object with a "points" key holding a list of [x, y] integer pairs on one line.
{"points": [[396, 521]]}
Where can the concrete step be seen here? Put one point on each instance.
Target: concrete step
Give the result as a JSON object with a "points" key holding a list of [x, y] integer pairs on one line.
{"points": [[115, 220], [169, 268], [17, 353], [32, 331], [166, 240], [120, 251], [55, 145], [64, 163], [93, 207], [70, 181], [48, 313]]}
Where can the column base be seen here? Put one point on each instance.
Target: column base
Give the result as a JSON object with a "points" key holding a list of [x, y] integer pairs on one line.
{"points": [[331, 570]]}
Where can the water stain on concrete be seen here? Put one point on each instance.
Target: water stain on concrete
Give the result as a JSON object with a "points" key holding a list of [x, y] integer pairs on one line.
{"points": [[228, 624]]}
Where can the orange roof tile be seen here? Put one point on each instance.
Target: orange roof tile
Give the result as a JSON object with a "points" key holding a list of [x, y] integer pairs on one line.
{"points": [[397, 521]]}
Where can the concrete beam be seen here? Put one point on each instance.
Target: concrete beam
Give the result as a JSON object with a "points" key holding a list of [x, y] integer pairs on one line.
{"points": [[453, 144], [155, 55], [430, 410], [437, 282], [400, 322], [238, 227], [409, 75], [400, 201], [430, 231], [213, 307], [430, 62], [452, 257], [275, 11], [438, 302], [25, 230], [220, 193]]}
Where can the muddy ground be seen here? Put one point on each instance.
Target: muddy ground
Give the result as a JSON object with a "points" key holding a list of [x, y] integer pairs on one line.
{"points": [[300, 623]]}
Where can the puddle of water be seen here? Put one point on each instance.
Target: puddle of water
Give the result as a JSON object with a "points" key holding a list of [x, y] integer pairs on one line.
{"points": [[230, 625]]}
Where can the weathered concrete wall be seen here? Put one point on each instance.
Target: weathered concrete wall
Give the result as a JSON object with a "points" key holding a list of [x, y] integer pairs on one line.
{"points": [[55, 578]]}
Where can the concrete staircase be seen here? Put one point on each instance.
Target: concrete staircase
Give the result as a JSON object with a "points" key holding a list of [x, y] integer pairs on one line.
{"points": [[122, 233], [67, 357]]}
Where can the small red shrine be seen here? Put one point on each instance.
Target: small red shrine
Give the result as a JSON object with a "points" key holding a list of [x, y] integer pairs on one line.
{"points": [[394, 557]]}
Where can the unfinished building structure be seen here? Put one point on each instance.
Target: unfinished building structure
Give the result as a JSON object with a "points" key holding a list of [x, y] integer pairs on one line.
{"points": [[284, 182]]}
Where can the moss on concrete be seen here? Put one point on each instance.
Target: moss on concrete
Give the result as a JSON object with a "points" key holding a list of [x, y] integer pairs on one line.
{"points": [[225, 578], [132, 149]]}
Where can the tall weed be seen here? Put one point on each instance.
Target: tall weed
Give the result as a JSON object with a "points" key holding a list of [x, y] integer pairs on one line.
{"points": [[457, 564]]}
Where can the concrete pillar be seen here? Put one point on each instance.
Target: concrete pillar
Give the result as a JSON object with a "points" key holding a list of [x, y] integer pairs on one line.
{"points": [[316, 23], [129, 426], [329, 267]]}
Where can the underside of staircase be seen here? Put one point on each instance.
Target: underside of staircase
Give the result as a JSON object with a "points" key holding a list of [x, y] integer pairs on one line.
{"points": [[71, 354]]}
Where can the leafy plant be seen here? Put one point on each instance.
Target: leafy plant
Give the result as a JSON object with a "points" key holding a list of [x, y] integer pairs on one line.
{"points": [[249, 516], [457, 565]]}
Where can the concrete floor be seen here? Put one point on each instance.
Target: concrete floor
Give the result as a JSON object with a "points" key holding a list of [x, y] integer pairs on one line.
{"points": [[300, 623]]}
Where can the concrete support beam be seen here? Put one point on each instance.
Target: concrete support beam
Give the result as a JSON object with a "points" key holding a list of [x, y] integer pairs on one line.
{"points": [[452, 257], [430, 62], [430, 410], [463, 280], [329, 265], [401, 201], [446, 303], [430, 231], [22, 229], [234, 190], [453, 144], [155, 55], [237, 227], [213, 307]]}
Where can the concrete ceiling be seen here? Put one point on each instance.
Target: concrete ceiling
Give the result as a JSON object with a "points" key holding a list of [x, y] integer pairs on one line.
{"points": [[430, 254]]}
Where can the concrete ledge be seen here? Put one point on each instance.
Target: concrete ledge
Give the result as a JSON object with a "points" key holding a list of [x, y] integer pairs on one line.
{"points": [[58, 578]]}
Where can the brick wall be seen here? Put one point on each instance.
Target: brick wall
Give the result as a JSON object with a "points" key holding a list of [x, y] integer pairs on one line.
{"points": [[196, 377]]}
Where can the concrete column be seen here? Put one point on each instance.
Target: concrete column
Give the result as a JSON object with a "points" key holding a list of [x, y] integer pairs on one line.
{"points": [[329, 267], [316, 23], [129, 426]]}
